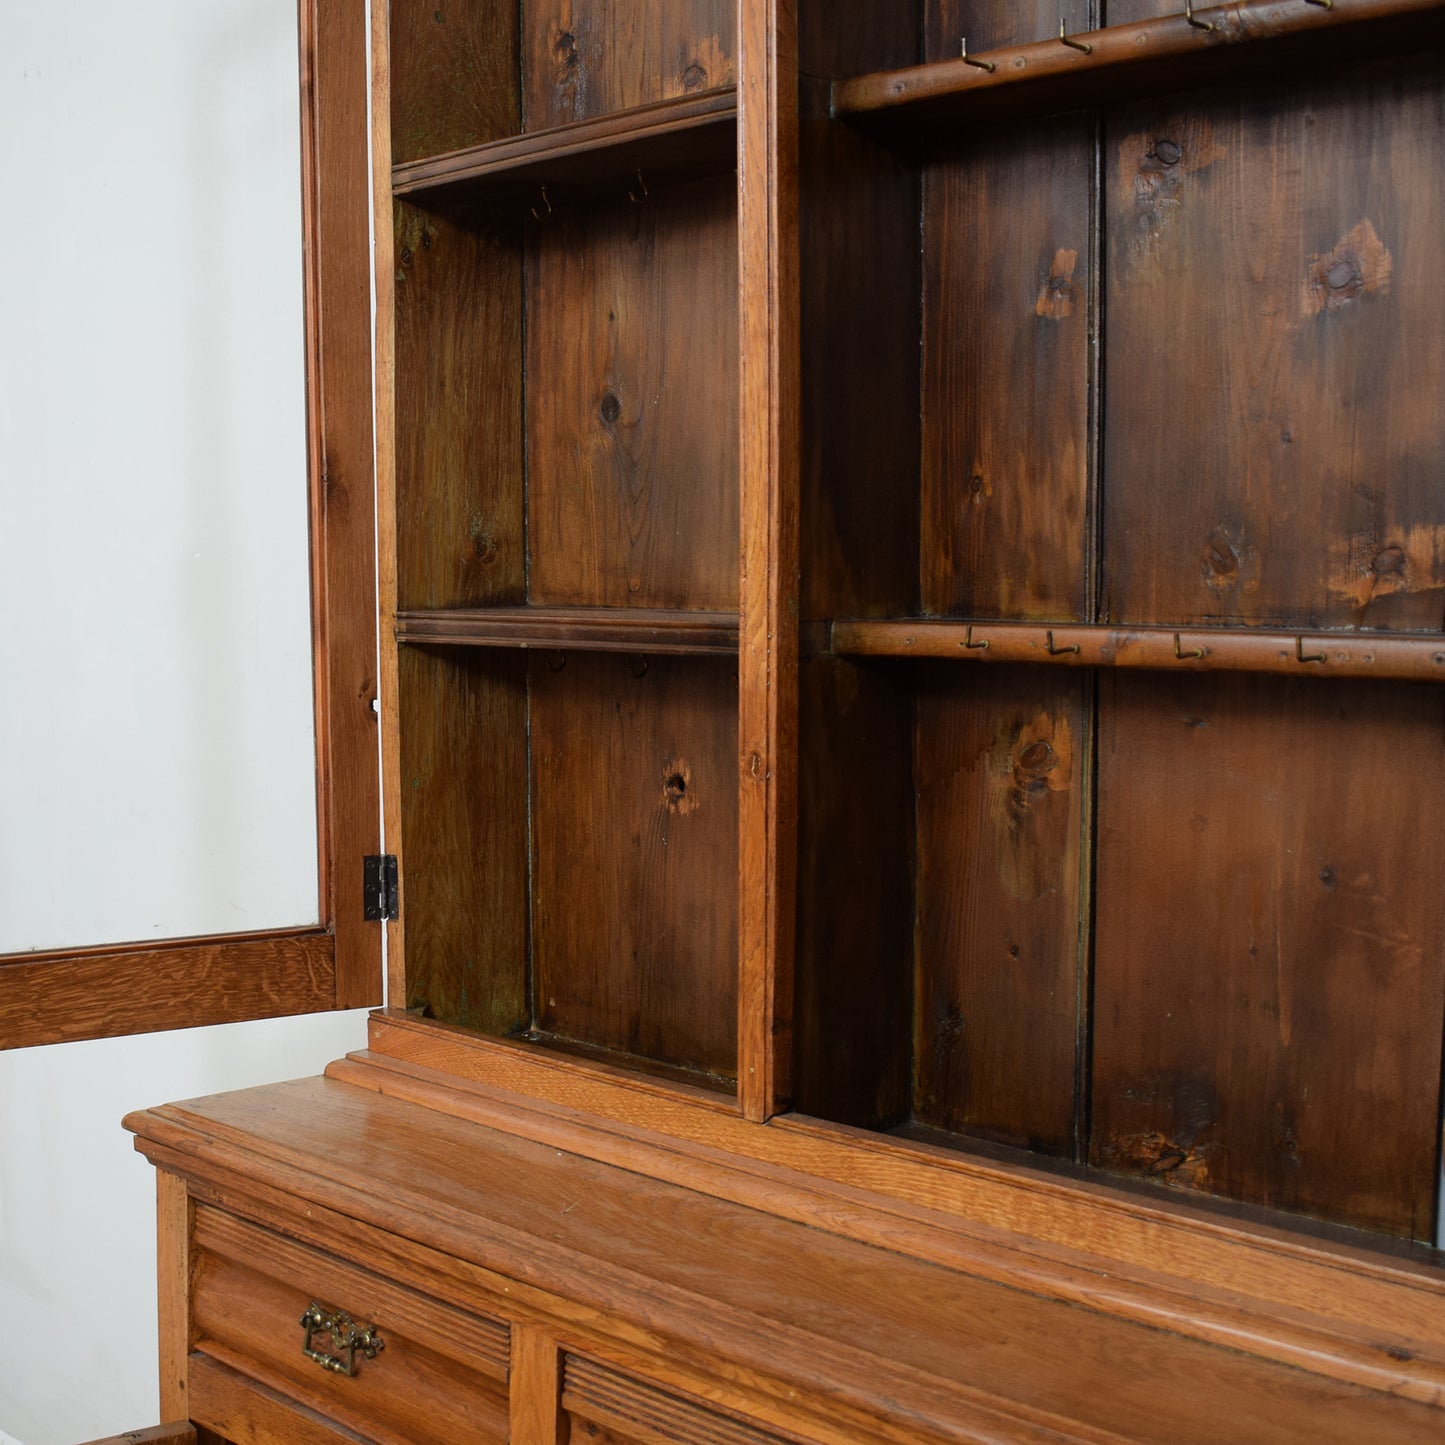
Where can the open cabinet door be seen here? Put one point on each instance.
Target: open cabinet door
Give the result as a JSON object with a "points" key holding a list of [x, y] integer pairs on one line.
{"points": [[334, 963]]}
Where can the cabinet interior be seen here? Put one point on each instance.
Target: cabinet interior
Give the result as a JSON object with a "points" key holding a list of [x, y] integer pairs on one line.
{"points": [[1172, 366], [567, 484], [1169, 364]]}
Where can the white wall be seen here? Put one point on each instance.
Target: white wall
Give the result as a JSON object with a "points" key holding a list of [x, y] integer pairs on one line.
{"points": [[156, 745], [156, 751], [77, 1211]]}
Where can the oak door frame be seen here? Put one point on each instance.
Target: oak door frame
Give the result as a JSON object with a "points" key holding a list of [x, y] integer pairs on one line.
{"points": [[88, 993]]}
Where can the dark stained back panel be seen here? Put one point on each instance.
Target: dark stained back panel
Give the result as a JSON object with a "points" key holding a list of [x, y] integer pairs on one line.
{"points": [[1003, 780], [1273, 425], [583, 58], [635, 855], [1270, 966], [632, 402]]}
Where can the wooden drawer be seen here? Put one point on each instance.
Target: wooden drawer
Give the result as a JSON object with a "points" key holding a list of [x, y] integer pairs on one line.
{"points": [[440, 1376], [601, 1406]]}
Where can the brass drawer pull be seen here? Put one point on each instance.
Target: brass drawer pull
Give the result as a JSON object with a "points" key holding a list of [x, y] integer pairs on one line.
{"points": [[345, 1334]]}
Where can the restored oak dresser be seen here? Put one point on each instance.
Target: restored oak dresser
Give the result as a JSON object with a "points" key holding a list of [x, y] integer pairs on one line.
{"points": [[912, 583]]}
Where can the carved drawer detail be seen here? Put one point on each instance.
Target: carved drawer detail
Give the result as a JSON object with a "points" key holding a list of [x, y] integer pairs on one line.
{"points": [[359, 1350]]}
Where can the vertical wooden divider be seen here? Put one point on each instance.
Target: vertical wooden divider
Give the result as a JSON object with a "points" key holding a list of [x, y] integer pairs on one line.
{"points": [[386, 478], [343, 550], [534, 1386], [768, 666], [173, 1289]]}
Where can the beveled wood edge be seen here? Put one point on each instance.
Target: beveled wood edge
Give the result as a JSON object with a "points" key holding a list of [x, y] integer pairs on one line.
{"points": [[591, 1304], [480, 1342], [770, 451], [1319, 654], [584, 629], [78, 994], [386, 484], [717, 106], [1347, 1310], [1210, 1306], [1117, 51]]}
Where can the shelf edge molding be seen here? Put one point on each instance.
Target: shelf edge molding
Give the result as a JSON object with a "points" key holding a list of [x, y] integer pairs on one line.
{"points": [[684, 138], [1049, 75], [1324, 654], [580, 629]]}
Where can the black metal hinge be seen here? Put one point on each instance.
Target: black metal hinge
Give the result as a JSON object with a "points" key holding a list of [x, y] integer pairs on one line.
{"points": [[380, 895]]}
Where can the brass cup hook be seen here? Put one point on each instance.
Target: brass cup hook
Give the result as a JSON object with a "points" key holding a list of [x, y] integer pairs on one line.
{"points": [[970, 644], [1299, 652], [1061, 651], [542, 215], [987, 65], [642, 186], [1189, 16], [1079, 45], [1186, 656], [1323, 4]]}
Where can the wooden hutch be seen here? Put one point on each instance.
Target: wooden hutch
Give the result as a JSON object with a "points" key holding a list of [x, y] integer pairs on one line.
{"points": [[912, 582]]}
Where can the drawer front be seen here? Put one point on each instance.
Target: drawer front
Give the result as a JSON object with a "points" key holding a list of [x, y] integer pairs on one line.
{"points": [[439, 1376], [604, 1407]]}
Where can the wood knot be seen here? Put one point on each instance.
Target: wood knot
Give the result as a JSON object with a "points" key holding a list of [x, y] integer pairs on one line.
{"points": [[1390, 563], [1359, 265], [677, 790], [1168, 152], [694, 78], [611, 408], [1221, 563]]}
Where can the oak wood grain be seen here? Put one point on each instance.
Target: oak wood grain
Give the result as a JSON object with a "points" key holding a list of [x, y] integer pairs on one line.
{"points": [[233, 1410], [173, 1278], [53, 998], [608, 1407], [534, 1386], [248, 1320], [1322, 1305], [638, 1244]]}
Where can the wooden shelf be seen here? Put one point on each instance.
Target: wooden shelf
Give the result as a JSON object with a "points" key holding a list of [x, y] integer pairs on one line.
{"points": [[1395, 656], [579, 629], [1125, 61], [670, 141]]}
